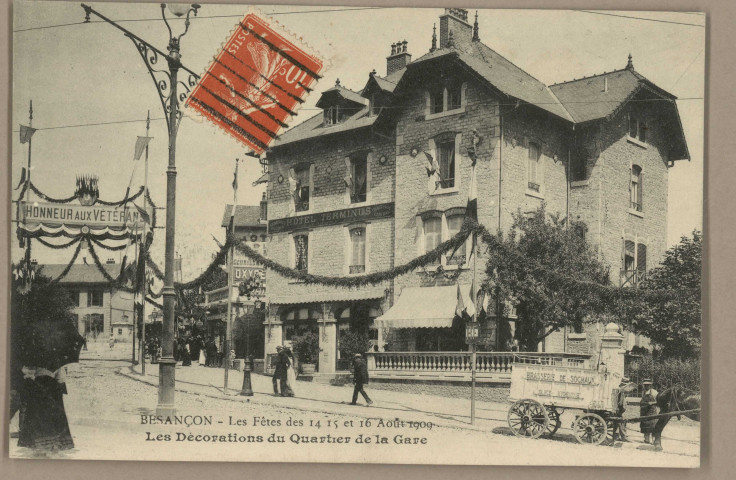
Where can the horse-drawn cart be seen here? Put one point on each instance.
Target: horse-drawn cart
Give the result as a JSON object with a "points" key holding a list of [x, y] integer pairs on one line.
{"points": [[541, 393]]}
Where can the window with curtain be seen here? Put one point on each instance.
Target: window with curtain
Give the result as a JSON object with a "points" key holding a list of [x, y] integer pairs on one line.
{"points": [[359, 172], [301, 252], [636, 188], [446, 153], [432, 233], [303, 190], [454, 224], [534, 180], [357, 250]]}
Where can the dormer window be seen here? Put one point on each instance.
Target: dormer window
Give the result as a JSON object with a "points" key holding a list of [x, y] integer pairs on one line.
{"points": [[445, 98], [332, 115]]}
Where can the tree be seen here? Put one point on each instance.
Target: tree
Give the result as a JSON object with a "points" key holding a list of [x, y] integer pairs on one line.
{"points": [[669, 312], [549, 272], [44, 300]]}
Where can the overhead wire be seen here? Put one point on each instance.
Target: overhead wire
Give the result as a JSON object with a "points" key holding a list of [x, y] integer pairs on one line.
{"points": [[271, 14], [115, 122], [639, 18]]}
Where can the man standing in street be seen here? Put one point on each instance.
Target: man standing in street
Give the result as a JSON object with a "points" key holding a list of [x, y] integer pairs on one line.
{"points": [[360, 378], [619, 428], [648, 407], [277, 370]]}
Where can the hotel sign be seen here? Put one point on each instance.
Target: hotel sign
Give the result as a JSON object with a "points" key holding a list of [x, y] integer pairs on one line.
{"points": [[335, 217], [52, 214]]}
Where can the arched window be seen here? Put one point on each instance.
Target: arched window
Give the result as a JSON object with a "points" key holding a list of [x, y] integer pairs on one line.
{"points": [[636, 188]]}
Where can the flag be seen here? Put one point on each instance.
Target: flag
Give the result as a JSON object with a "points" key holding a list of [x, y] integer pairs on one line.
{"points": [[26, 133], [460, 308], [484, 303], [140, 145], [432, 166], [22, 178], [471, 210], [235, 183], [144, 214], [470, 309]]}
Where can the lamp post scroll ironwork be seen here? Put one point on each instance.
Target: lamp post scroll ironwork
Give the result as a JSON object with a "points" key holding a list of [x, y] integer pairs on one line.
{"points": [[166, 83]]}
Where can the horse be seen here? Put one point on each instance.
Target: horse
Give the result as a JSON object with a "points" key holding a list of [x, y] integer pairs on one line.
{"points": [[674, 399]]}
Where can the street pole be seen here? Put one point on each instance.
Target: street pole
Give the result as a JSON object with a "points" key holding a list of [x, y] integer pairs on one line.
{"points": [[472, 345], [150, 55], [144, 246], [228, 325]]}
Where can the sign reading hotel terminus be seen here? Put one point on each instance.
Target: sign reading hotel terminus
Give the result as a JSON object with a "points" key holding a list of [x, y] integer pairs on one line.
{"points": [[335, 217]]}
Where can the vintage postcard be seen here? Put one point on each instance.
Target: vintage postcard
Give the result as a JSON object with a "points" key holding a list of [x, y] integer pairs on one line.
{"points": [[356, 235]]}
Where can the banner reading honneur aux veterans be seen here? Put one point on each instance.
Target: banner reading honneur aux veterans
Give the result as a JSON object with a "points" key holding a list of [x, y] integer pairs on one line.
{"points": [[78, 215]]}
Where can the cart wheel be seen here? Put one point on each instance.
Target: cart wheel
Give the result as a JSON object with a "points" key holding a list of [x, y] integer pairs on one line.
{"points": [[554, 421], [528, 419], [590, 428]]}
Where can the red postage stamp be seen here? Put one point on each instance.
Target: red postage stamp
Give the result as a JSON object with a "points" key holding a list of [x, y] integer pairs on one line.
{"points": [[255, 83]]}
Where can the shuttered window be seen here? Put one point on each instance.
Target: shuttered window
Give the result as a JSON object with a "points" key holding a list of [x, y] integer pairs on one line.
{"points": [[533, 174]]}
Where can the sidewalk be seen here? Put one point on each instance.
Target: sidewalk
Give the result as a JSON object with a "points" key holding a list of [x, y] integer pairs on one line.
{"points": [[389, 405], [328, 399]]}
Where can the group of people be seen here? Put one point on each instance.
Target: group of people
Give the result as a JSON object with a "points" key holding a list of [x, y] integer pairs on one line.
{"points": [[647, 407]]}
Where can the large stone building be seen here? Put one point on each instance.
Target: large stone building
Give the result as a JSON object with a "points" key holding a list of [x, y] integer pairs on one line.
{"points": [[354, 190], [101, 310]]}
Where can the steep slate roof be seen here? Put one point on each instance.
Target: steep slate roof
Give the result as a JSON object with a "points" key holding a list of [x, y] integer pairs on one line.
{"points": [[345, 93], [87, 274], [245, 216], [503, 75], [586, 100], [314, 127]]}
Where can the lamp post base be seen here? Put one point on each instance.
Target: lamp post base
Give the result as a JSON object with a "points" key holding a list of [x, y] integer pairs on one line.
{"points": [[166, 382], [247, 390]]}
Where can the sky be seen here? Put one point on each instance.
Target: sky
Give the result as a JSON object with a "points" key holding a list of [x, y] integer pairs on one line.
{"points": [[91, 93]]}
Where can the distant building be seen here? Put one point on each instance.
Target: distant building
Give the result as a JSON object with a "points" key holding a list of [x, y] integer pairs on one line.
{"points": [[250, 226], [100, 310]]}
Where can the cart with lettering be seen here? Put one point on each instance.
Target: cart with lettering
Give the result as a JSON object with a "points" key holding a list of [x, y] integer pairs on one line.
{"points": [[542, 392]]}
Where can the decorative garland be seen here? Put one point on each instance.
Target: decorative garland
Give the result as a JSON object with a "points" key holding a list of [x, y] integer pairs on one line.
{"points": [[43, 196], [69, 266], [58, 247], [430, 257], [106, 247]]}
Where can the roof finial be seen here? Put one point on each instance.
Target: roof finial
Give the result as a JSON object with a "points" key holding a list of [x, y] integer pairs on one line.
{"points": [[434, 38], [337, 82], [630, 65], [451, 40], [475, 28]]}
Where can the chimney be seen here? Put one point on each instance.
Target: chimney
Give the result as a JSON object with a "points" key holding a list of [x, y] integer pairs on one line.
{"points": [[264, 208], [399, 57], [455, 20]]}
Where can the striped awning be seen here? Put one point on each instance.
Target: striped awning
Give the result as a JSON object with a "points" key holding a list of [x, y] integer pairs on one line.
{"points": [[337, 295], [423, 307]]}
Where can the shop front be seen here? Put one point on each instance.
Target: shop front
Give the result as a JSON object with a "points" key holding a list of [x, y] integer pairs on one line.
{"points": [[342, 322]]}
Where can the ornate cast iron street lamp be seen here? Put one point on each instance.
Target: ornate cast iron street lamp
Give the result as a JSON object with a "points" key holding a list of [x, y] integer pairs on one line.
{"points": [[167, 83]]}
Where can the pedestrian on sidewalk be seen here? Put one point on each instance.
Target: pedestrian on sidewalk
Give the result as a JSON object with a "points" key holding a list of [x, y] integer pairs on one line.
{"points": [[619, 428], [282, 368], [649, 407], [43, 422], [290, 371], [277, 370], [360, 378]]}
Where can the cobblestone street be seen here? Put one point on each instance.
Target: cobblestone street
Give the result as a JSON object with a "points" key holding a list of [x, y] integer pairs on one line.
{"points": [[107, 400]]}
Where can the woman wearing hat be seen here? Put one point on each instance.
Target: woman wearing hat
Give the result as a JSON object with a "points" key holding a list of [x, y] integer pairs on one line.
{"points": [[648, 407]]}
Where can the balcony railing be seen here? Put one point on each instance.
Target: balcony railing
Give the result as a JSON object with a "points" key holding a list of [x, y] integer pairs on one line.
{"points": [[456, 366], [632, 278]]}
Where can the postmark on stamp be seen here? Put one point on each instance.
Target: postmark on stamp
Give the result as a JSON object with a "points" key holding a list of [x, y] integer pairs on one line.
{"points": [[256, 83]]}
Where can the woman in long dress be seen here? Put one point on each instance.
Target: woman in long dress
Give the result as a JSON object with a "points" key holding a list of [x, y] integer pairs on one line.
{"points": [[202, 357], [291, 372], [43, 422]]}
